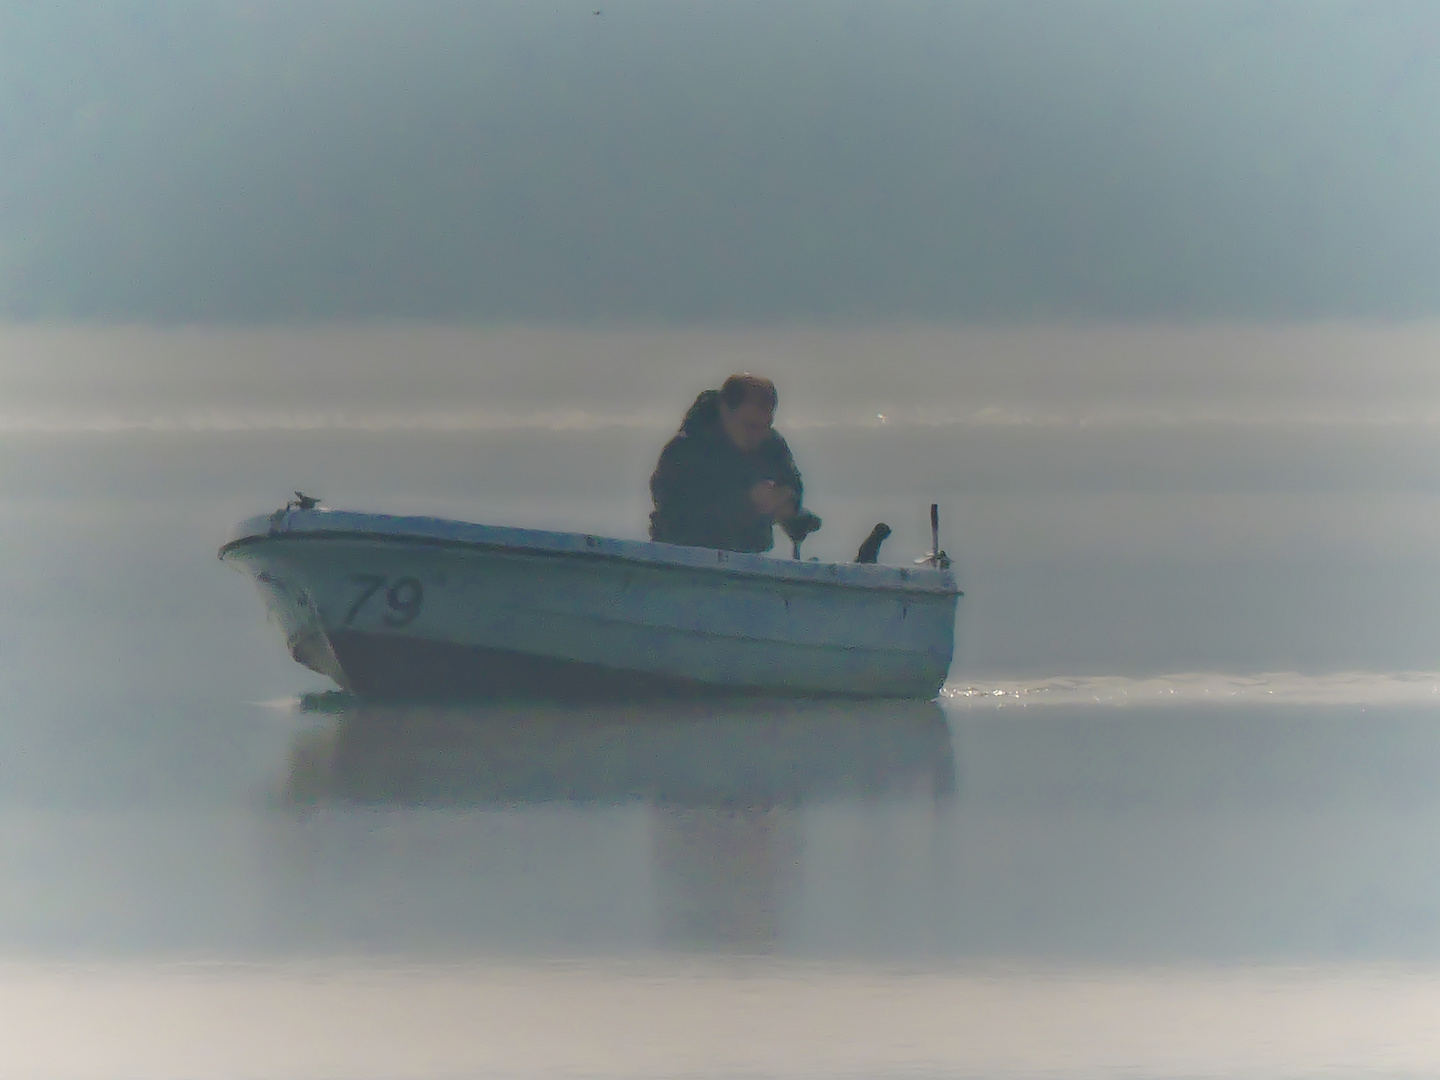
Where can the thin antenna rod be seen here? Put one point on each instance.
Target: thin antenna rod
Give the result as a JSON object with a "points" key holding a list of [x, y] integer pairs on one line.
{"points": [[936, 558]]}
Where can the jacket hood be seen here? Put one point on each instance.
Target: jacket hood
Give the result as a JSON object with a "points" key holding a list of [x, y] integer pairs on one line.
{"points": [[704, 415]]}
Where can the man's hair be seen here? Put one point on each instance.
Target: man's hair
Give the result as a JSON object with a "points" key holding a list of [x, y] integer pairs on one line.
{"points": [[739, 389]]}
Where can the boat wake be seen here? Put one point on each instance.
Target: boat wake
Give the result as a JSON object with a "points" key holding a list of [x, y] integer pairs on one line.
{"points": [[1363, 688]]}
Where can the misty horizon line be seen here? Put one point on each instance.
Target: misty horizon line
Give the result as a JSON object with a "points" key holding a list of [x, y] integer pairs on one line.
{"points": [[794, 323], [207, 421]]}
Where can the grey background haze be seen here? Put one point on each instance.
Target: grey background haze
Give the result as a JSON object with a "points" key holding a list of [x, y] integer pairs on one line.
{"points": [[718, 162]]}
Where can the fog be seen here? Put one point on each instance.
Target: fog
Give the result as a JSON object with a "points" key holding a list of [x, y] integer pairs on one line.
{"points": [[720, 162], [1146, 297]]}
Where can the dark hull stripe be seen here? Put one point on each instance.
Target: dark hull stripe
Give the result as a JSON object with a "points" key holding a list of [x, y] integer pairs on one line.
{"points": [[390, 666]]}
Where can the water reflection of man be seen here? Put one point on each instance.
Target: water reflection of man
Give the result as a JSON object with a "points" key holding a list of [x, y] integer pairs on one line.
{"points": [[727, 477]]}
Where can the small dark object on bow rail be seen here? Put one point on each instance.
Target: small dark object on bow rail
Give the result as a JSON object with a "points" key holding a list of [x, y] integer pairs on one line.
{"points": [[302, 502], [870, 550]]}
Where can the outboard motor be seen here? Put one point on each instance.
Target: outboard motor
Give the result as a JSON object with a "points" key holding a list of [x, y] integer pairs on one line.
{"points": [[870, 550], [798, 528]]}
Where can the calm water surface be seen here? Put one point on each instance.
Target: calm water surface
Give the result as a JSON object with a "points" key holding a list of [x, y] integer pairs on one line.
{"points": [[1176, 815]]}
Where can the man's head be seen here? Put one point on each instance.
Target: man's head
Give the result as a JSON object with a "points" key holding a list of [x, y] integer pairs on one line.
{"points": [[747, 409]]}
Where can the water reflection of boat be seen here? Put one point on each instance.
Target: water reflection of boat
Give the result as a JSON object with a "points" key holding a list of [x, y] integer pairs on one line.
{"points": [[423, 607], [719, 787], [756, 752]]}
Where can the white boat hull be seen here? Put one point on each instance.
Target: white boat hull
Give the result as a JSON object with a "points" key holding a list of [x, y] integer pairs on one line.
{"points": [[422, 607]]}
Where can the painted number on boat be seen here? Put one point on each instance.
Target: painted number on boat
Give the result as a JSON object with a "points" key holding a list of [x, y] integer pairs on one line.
{"points": [[403, 598]]}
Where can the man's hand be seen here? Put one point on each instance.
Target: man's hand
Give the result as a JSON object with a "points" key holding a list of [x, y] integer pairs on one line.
{"points": [[775, 502]]}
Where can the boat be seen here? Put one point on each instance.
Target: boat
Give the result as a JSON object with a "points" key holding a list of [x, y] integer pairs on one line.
{"points": [[417, 607]]}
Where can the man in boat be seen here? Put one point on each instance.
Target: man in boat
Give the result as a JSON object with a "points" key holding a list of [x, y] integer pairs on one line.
{"points": [[727, 478]]}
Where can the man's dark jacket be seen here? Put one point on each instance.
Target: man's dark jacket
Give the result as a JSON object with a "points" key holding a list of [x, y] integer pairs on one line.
{"points": [[701, 486]]}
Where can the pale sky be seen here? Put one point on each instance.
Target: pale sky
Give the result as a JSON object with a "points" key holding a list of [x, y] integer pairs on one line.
{"points": [[718, 162]]}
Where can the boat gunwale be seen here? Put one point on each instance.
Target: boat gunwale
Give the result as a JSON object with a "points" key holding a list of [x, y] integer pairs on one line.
{"points": [[782, 572]]}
